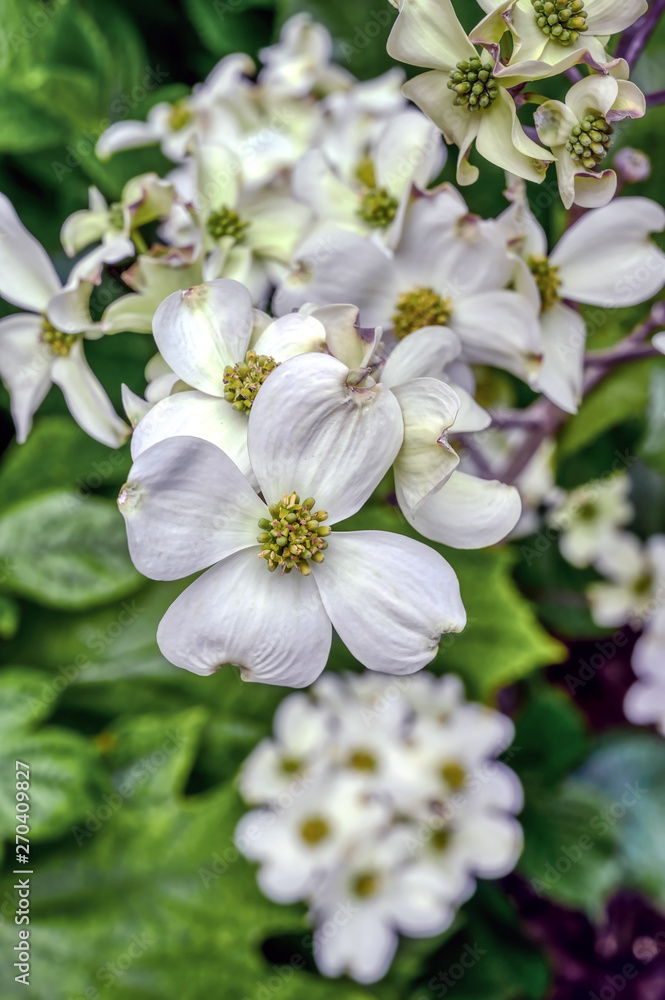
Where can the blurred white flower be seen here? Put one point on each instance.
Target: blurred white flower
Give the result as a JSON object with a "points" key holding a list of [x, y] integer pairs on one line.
{"points": [[631, 575], [590, 517], [406, 806], [299, 63], [44, 346], [645, 700]]}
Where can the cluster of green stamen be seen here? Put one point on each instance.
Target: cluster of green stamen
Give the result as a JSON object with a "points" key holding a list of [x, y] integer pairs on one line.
{"points": [[227, 222], [378, 208], [60, 343], [180, 115], [362, 760], [562, 20], [314, 829], [440, 839], [418, 308], [590, 141], [294, 536], [243, 380], [547, 279], [474, 84]]}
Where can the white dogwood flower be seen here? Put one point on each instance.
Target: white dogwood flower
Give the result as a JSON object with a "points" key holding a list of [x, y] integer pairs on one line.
{"points": [[44, 346], [579, 134], [371, 196], [448, 269], [588, 265], [407, 807], [550, 36], [461, 93], [300, 62], [187, 507], [144, 199], [644, 704], [212, 107], [589, 518]]}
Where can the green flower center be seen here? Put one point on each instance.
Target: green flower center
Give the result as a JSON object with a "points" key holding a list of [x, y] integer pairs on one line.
{"points": [[116, 215], [294, 536], [643, 584], [314, 830], [418, 308], [180, 115], [561, 20], [588, 511], [243, 380], [453, 774], [590, 141], [60, 343], [378, 208], [226, 222], [365, 885], [362, 760], [289, 765], [547, 279], [440, 840], [473, 84]]}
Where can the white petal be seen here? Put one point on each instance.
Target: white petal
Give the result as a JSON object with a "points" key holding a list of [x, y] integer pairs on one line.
{"points": [[502, 140], [425, 460], [467, 513], [134, 406], [430, 92], [186, 506], [606, 17], [87, 400], [607, 258], [27, 276], [428, 33], [471, 415], [389, 597], [295, 333], [562, 371], [424, 352], [202, 330], [83, 228], [127, 135], [193, 414], [311, 433], [593, 93], [346, 339], [25, 368], [273, 627], [69, 310], [363, 948], [498, 328]]}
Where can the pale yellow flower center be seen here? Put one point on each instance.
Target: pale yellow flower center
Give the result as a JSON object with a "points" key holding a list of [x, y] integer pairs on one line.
{"points": [[547, 279], [420, 307], [243, 380]]}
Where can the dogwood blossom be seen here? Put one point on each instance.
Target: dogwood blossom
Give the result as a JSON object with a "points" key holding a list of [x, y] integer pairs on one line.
{"points": [[383, 825], [187, 506], [644, 703], [579, 134], [44, 346], [461, 94], [450, 268], [550, 37], [587, 265]]}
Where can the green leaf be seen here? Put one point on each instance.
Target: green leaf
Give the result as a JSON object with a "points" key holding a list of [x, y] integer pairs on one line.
{"points": [[156, 901], [652, 448], [550, 738], [58, 454], [629, 769], [224, 26], [570, 854], [622, 396], [66, 551], [25, 127], [64, 775], [9, 614]]}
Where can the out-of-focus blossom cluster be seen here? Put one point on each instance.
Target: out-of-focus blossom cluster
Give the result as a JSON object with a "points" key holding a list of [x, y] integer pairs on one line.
{"points": [[380, 803]]}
